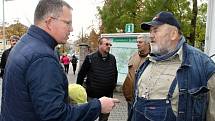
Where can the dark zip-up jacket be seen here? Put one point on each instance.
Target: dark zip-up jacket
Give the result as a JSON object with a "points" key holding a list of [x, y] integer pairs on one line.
{"points": [[101, 75], [4, 60], [35, 87]]}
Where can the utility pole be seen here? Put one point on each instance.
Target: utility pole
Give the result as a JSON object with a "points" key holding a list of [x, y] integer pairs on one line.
{"points": [[82, 35], [3, 26], [210, 30]]}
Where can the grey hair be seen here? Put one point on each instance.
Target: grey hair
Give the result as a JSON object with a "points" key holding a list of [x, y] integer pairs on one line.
{"points": [[145, 38], [49, 7]]}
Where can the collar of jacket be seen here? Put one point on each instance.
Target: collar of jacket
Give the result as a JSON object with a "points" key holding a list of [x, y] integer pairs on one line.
{"points": [[185, 54], [142, 54], [100, 55], [42, 35]]}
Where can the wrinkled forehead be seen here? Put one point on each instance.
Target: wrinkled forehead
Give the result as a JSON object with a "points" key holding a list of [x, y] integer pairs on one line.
{"points": [[156, 27], [163, 26]]}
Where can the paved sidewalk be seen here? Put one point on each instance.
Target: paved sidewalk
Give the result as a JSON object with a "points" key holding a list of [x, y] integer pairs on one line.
{"points": [[119, 113]]}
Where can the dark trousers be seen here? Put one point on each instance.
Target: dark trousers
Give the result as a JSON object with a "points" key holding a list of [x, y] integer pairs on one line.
{"points": [[74, 67], [66, 68], [129, 107], [102, 116]]}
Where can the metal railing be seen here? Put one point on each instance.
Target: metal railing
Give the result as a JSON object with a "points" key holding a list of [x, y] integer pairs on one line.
{"points": [[212, 55]]}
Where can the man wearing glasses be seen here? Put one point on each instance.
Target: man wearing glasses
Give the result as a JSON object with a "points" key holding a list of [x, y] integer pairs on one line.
{"points": [[101, 72], [35, 87]]}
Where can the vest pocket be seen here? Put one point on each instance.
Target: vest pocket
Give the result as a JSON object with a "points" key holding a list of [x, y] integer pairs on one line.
{"points": [[156, 114], [199, 103], [151, 114]]}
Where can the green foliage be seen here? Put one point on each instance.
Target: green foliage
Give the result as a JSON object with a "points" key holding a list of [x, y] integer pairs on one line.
{"points": [[110, 15], [180, 8], [201, 26], [117, 13]]}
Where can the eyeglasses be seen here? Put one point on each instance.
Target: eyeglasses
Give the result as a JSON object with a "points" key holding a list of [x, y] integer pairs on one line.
{"points": [[108, 44], [68, 23]]}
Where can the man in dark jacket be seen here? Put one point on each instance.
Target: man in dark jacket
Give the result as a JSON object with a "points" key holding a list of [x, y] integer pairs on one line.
{"points": [[13, 41], [101, 71], [74, 62], [35, 87]]}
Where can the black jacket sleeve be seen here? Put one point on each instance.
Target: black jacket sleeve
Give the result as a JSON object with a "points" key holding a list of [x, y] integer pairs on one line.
{"points": [[83, 71], [3, 61], [116, 72]]}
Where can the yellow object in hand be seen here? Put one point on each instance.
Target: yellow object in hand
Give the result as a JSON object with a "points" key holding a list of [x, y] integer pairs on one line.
{"points": [[77, 94]]}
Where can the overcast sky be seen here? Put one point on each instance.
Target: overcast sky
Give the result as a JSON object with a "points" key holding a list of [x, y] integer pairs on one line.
{"points": [[84, 13]]}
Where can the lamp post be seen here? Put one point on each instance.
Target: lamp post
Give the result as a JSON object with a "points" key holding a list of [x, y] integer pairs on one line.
{"points": [[3, 26], [82, 36]]}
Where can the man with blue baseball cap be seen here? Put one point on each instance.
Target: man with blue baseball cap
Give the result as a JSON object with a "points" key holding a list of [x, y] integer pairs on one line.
{"points": [[161, 18], [177, 81]]}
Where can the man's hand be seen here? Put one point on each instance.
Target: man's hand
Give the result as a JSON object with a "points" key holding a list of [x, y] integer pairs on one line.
{"points": [[107, 104]]}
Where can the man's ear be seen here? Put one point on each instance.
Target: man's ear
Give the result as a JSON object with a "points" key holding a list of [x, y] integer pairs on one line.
{"points": [[174, 34], [48, 23]]}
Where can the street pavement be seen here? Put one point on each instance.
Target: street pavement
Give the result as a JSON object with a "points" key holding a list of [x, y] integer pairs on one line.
{"points": [[119, 113]]}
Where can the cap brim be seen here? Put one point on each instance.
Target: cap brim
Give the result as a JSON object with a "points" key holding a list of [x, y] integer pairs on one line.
{"points": [[147, 25]]}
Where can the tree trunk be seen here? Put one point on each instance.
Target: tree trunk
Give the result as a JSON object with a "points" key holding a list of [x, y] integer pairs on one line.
{"points": [[193, 23]]}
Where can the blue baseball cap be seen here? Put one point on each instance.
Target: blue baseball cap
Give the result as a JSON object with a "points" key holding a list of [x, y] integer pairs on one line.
{"points": [[161, 18]]}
